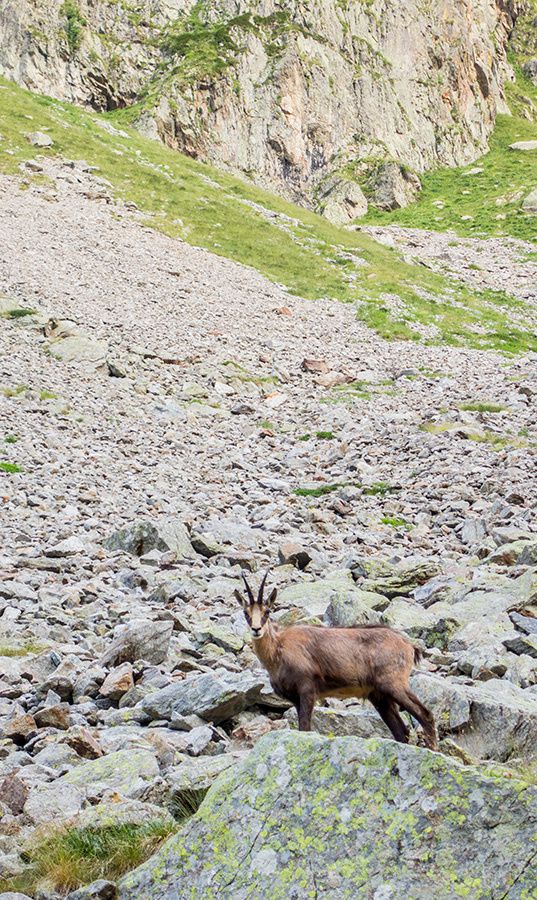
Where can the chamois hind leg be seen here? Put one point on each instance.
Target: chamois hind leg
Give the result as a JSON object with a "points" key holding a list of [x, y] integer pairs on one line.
{"points": [[305, 705], [407, 700], [387, 710]]}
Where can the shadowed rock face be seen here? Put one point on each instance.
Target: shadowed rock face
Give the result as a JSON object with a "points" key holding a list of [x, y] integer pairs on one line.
{"points": [[308, 816], [291, 95]]}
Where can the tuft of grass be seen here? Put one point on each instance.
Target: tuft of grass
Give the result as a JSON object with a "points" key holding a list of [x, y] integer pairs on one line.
{"points": [[10, 468], [48, 395], [10, 439], [494, 440], [290, 245], [18, 313], [395, 522], [318, 491], [325, 435], [71, 857], [483, 407], [304, 437], [186, 803], [380, 488], [21, 650], [14, 391]]}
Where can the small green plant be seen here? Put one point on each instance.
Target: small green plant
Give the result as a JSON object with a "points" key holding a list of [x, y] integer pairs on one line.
{"points": [[10, 439], [325, 435], [322, 489], [304, 437], [14, 391], [395, 522], [71, 857], [48, 395], [10, 468], [74, 25], [380, 488]]}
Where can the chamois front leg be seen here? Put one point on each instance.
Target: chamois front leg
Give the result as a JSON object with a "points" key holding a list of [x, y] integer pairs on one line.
{"points": [[305, 705]]}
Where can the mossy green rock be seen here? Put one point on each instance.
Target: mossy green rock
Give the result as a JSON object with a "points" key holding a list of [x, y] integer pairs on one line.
{"points": [[127, 772], [308, 816]]}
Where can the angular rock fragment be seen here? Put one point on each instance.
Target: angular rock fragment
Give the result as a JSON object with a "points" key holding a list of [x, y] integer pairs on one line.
{"points": [[139, 639], [215, 696]]}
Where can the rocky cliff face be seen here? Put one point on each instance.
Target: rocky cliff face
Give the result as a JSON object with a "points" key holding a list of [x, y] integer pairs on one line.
{"points": [[305, 97]]}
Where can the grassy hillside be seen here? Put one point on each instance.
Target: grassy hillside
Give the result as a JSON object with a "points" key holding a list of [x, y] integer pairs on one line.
{"points": [[291, 246]]}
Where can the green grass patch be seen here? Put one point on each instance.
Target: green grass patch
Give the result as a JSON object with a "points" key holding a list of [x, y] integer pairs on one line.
{"points": [[48, 395], [14, 391], [319, 491], [494, 440], [10, 439], [71, 857], [483, 407], [18, 313], [208, 208], [304, 437], [395, 522], [380, 489], [10, 468], [325, 435], [20, 649], [186, 803]]}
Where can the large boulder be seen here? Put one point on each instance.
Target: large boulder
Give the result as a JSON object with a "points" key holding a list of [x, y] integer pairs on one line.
{"points": [[488, 719], [529, 204], [392, 186], [125, 772], [341, 201], [139, 639], [167, 535], [215, 696], [530, 70], [306, 816]]}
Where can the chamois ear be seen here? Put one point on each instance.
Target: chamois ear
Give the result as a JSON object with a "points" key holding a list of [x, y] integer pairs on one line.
{"points": [[272, 598], [242, 600]]}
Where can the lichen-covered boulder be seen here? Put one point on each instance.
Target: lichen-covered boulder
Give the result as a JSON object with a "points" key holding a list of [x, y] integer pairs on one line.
{"points": [[305, 816], [126, 772]]}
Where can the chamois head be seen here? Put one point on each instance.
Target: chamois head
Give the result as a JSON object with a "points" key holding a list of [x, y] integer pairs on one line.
{"points": [[256, 612]]}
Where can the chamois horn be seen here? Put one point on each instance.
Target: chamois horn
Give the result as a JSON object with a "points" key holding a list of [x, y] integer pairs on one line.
{"points": [[251, 597], [262, 587]]}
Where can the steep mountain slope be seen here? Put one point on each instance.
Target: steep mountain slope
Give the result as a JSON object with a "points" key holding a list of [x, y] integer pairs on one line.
{"points": [[288, 244], [160, 431], [199, 378], [291, 94]]}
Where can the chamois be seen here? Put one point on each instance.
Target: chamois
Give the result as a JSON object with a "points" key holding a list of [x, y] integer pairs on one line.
{"points": [[307, 662]]}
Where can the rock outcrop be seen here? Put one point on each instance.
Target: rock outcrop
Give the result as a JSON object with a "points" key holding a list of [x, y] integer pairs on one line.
{"points": [[291, 96], [306, 816]]}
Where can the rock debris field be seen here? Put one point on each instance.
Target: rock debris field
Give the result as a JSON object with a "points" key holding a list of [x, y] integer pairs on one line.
{"points": [[169, 418]]}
